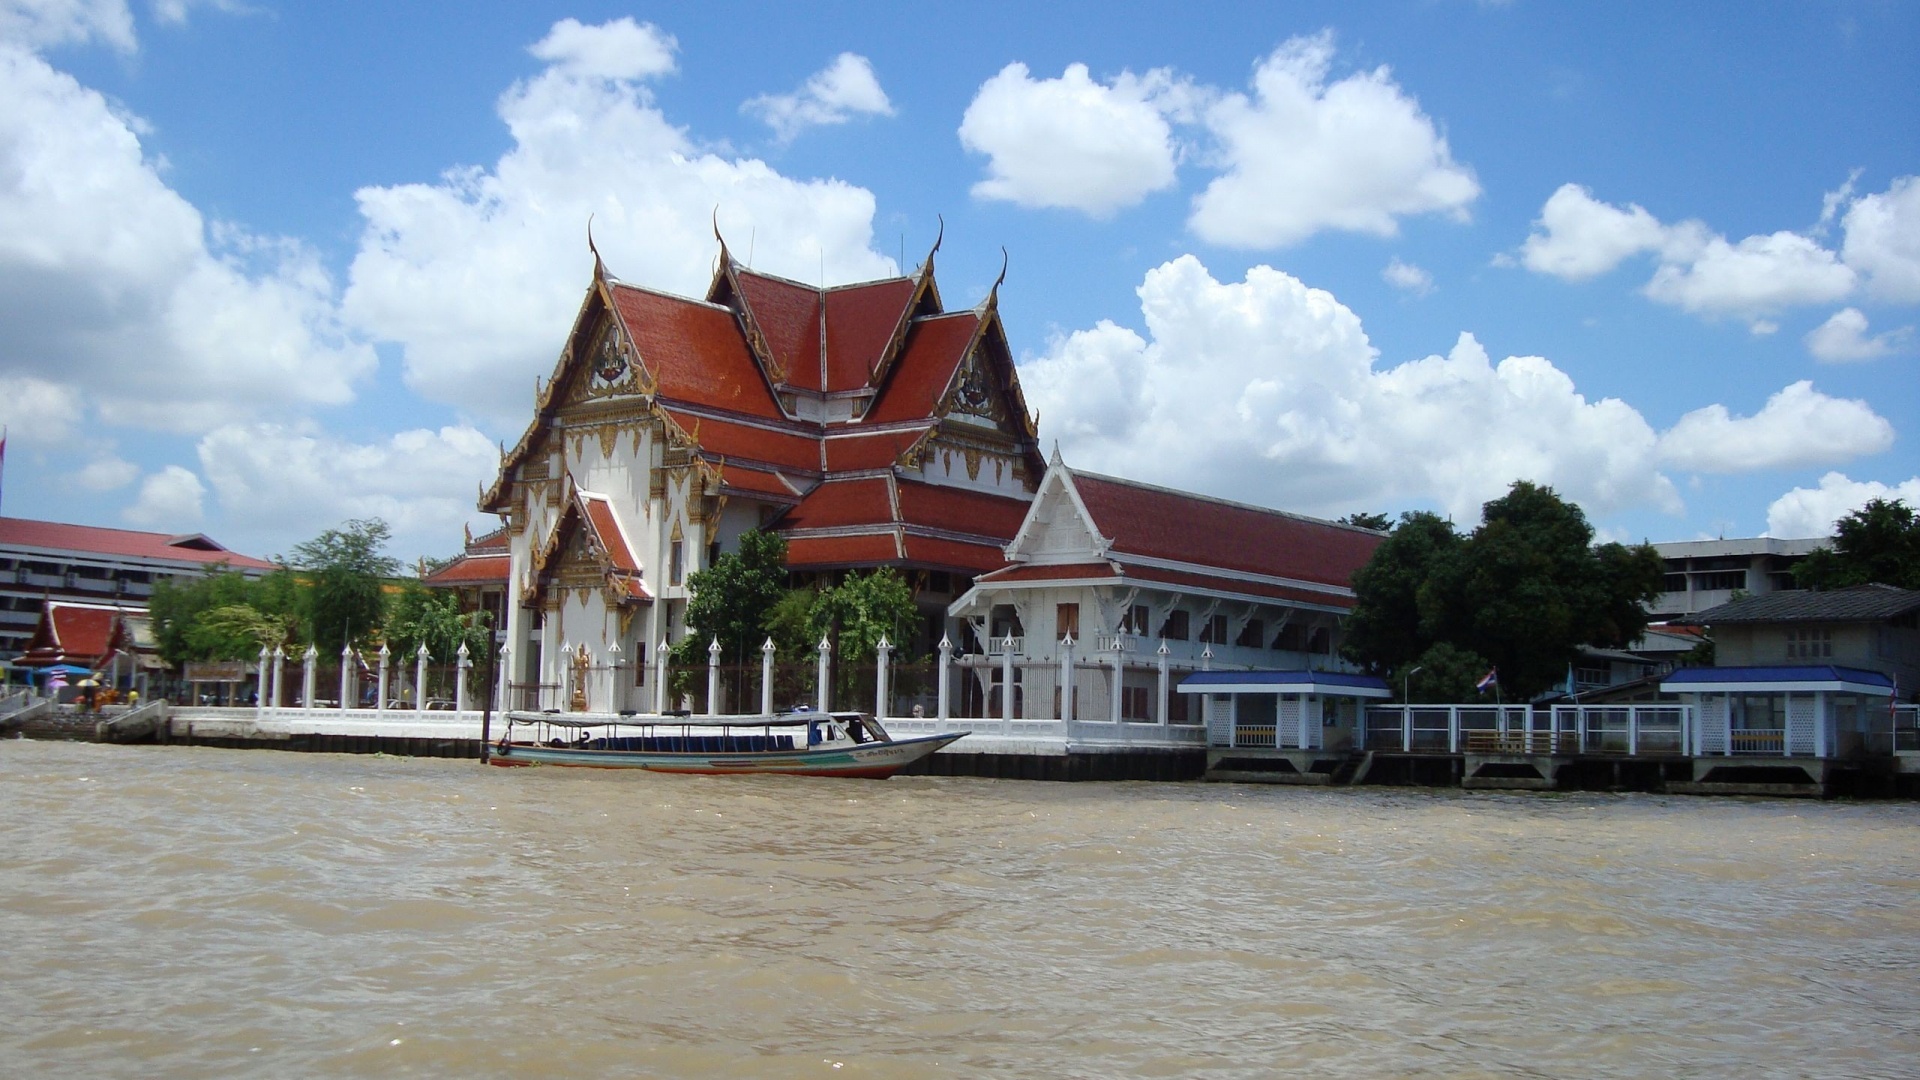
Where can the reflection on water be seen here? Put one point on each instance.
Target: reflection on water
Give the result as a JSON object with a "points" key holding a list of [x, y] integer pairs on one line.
{"points": [[194, 912]]}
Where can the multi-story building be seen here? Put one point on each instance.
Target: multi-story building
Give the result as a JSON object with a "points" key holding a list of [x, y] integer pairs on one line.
{"points": [[47, 560], [1707, 573]]}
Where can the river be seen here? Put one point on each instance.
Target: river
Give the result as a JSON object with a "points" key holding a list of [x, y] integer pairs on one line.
{"points": [[177, 912]]}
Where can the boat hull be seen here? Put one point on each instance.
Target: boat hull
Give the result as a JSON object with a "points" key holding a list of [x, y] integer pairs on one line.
{"points": [[876, 760]]}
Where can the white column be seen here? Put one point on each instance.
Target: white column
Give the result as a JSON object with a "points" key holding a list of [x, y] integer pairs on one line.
{"points": [[766, 677], [420, 679], [1119, 680], [460, 679], [503, 678], [279, 674], [1633, 730], [346, 671], [260, 696], [1453, 729], [1166, 682], [1820, 742], [386, 656], [883, 653], [713, 677], [1406, 726], [1006, 683], [946, 665], [1066, 679], [820, 673], [1206, 658], [660, 654], [306, 677]]}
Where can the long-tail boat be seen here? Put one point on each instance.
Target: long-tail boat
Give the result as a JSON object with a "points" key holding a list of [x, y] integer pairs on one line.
{"points": [[797, 744]]}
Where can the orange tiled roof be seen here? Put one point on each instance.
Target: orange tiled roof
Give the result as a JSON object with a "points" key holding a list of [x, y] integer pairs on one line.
{"points": [[122, 543]]}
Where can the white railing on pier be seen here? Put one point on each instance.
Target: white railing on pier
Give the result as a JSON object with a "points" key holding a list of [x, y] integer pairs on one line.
{"points": [[1520, 729], [1126, 732], [1906, 729]]}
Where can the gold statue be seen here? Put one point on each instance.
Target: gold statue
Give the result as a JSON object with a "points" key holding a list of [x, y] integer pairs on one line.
{"points": [[579, 700]]}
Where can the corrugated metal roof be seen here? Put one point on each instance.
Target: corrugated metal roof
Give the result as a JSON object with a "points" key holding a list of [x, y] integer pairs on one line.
{"points": [[1861, 603]]}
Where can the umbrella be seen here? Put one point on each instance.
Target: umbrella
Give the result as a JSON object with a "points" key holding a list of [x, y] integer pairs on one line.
{"points": [[88, 682]]}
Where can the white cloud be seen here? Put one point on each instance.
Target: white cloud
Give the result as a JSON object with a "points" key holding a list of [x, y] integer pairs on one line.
{"points": [[1883, 241], [169, 499], [108, 473], [298, 481], [1072, 142], [1813, 511], [1757, 276], [478, 276], [619, 49], [1404, 275], [1843, 338], [41, 23], [1798, 427], [112, 283], [834, 95], [1266, 389], [1577, 237], [39, 410], [1303, 156]]}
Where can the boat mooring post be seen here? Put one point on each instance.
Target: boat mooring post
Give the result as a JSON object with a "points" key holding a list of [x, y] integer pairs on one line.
{"points": [[882, 653], [494, 651]]}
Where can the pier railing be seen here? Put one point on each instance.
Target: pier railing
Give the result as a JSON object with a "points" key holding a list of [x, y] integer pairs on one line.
{"points": [[1521, 729]]}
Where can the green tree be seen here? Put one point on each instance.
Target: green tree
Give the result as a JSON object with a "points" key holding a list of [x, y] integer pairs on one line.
{"points": [[1880, 542], [223, 615], [1523, 592], [734, 598], [861, 610], [345, 572], [1385, 631], [1376, 522], [1442, 674], [432, 617]]}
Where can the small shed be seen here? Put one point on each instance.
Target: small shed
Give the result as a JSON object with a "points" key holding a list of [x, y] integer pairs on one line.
{"points": [[1814, 710], [1286, 710]]}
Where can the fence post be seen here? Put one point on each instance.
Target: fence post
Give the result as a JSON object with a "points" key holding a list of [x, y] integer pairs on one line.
{"points": [[306, 677], [946, 665], [1066, 681], [882, 653], [1006, 684], [505, 674], [1453, 729], [766, 677], [1406, 727], [346, 665], [461, 668], [713, 677], [1633, 730], [279, 674], [260, 695], [1119, 680], [820, 672], [1165, 681], [385, 656], [660, 655], [420, 678]]}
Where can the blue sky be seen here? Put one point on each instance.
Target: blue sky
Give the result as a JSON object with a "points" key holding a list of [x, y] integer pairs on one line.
{"points": [[265, 267]]}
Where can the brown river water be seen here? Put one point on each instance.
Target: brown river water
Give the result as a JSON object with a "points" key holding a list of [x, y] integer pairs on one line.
{"points": [[176, 912]]}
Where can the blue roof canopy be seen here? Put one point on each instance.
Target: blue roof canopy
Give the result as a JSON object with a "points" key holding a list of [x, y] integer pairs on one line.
{"points": [[1324, 683], [1801, 679]]}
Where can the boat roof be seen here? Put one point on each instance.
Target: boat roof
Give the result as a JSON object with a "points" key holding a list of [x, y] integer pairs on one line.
{"points": [[590, 720]]}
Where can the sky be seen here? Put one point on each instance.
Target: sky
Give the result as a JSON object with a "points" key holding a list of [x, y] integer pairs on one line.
{"points": [[267, 267]]}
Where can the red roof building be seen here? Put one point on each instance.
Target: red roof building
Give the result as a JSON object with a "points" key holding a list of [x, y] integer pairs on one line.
{"points": [[1133, 578], [865, 422], [48, 560]]}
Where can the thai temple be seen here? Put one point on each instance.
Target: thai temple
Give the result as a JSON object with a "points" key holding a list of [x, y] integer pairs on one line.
{"points": [[870, 426]]}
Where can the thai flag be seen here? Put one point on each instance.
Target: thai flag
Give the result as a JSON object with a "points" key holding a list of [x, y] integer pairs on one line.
{"points": [[1490, 678]]}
